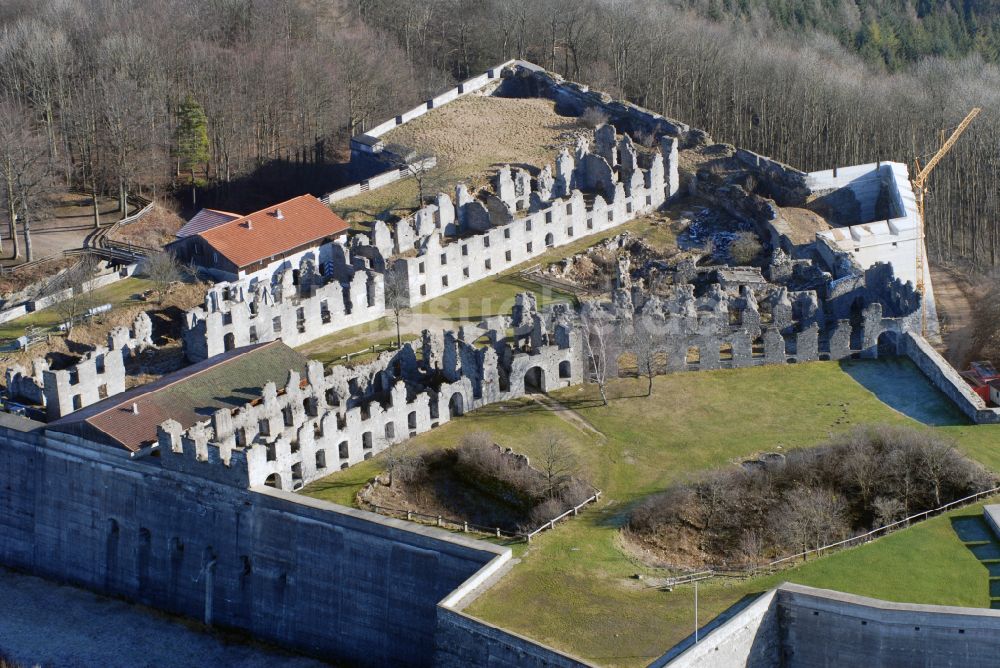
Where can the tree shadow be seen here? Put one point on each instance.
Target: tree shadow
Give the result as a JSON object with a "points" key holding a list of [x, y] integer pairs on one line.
{"points": [[899, 384], [977, 536], [274, 181]]}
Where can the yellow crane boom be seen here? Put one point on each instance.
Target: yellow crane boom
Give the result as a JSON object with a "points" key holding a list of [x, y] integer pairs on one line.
{"points": [[919, 190]]}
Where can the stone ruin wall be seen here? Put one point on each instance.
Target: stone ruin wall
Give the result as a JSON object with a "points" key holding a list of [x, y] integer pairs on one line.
{"points": [[98, 375], [752, 323], [334, 419], [524, 79], [459, 243], [441, 248], [237, 313]]}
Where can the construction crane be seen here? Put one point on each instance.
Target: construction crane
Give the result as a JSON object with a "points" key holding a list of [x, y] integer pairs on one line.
{"points": [[919, 190]]}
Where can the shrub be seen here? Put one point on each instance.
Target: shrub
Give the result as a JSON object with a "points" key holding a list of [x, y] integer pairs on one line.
{"points": [[857, 481], [744, 248], [645, 138], [593, 117]]}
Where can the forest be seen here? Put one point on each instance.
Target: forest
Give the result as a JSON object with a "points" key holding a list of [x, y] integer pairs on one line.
{"points": [[252, 100]]}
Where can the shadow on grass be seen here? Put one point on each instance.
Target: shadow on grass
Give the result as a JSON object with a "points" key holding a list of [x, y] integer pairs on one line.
{"points": [[977, 536], [899, 384]]}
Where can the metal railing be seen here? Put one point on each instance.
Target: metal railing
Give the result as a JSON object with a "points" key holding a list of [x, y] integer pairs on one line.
{"points": [[804, 555]]}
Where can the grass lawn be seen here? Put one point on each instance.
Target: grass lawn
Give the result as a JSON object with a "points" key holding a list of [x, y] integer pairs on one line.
{"points": [[573, 587], [490, 296], [495, 294], [470, 137], [115, 294]]}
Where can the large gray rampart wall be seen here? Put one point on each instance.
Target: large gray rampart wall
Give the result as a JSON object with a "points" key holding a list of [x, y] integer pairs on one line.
{"points": [[946, 379], [330, 581], [803, 627], [749, 637], [464, 641]]}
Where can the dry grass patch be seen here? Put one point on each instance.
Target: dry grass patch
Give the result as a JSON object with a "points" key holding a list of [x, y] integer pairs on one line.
{"points": [[471, 137]]}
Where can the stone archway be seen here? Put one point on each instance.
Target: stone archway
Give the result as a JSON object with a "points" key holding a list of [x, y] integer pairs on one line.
{"points": [[534, 380], [456, 405]]}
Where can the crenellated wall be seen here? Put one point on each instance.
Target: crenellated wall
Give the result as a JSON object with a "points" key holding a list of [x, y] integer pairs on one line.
{"points": [[98, 375], [331, 420], [463, 242]]}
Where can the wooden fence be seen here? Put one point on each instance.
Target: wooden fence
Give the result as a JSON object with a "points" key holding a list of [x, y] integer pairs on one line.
{"points": [[462, 525]]}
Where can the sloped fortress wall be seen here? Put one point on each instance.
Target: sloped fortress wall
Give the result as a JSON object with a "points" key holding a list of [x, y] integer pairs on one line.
{"points": [[330, 581], [803, 627]]}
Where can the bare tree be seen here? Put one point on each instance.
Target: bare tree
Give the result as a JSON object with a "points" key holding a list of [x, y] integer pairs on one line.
{"points": [[556, 461], [163, 269], [597, 335], [888, 510], [402, 467], [811, 518], [642, 341], [431, 173], [24, 169], [397, 295], [744, 247], [74, 304]]}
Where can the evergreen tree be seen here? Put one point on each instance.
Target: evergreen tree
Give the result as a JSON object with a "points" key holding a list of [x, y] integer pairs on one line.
{"points": [[191, 137]]}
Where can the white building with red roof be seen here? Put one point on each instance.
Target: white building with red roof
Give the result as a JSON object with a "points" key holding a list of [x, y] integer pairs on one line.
{"points": [[282, 237]]}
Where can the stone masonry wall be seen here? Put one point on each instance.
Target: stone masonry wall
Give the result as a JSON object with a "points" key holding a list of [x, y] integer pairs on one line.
{"points": [[337, 583], [100, 374], [463, 641], [236, 314], [461, 242], [328, 421]]}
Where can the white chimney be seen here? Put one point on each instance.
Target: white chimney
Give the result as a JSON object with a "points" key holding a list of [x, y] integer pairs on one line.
{"points": [[278, 214], [249, 224], [135, 409]]}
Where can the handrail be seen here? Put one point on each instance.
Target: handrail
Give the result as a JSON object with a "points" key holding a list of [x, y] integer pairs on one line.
{"points": [[99, 240]]}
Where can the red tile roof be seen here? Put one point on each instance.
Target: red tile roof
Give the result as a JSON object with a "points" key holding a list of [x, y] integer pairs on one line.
{"points": [[267, 233]]}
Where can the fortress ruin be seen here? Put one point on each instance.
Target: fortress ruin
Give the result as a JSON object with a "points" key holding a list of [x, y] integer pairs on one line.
{"points": [[179, 493]]}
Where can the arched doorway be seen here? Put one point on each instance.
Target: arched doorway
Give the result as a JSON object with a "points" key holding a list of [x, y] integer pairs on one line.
{"points": [[273, 480], [229, 341], [550, 240], [887, 344], [534, 380], [456, 405]]}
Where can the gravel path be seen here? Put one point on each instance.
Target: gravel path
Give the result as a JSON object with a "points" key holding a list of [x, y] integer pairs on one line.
{"points": [[954, 296], [56, 626]]}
